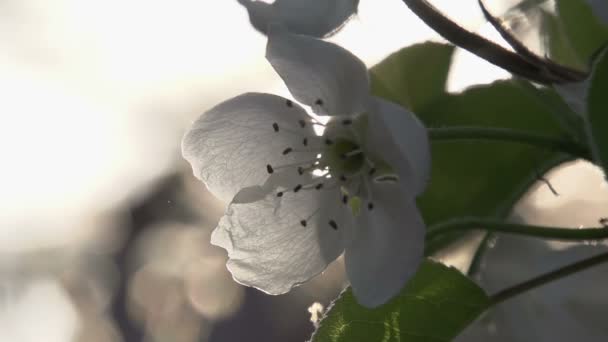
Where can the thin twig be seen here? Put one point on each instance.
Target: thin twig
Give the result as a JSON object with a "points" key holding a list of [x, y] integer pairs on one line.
{"points": [[555, 68], [541, 280], [481, 46]]}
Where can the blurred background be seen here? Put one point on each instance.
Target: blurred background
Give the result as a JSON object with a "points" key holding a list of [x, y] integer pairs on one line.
{"points": [[104, 232]]}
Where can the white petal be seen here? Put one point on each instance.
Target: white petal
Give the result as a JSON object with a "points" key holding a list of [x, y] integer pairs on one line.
{"points": [[398, 136], [320, 74], [268, 247], [387, 247], [316, 18], [230, 145]]}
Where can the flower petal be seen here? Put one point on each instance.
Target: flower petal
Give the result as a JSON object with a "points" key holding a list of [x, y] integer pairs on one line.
{"points": [[387, 247], [316, 18], [230, 146], [319, 74], [268, 246], [403, 141]]}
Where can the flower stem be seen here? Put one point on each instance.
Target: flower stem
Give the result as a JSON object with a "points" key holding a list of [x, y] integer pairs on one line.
{"points": [[505, 134], [473, 223], [533, 283]]}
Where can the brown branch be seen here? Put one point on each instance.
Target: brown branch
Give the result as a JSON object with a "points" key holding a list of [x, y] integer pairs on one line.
{"points": [[551, 66], [482, 47]]}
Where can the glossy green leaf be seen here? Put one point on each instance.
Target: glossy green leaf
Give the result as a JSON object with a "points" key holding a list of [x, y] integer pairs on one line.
{"points": [[435, 306], [404, 79], [598, 110]]}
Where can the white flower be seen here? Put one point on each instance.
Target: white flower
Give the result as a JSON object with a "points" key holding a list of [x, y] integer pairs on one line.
{"points": [[298, 200], [316, 18]]}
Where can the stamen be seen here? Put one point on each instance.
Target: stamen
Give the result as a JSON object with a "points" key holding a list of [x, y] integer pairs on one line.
{"points": [[319, 186], [351, 153], [305, 142], [333, 224], [372, 171], [309, 162], [343, 178], [289, 103], [387, 178], [300, 170], [287, 150], [302, 123], [275, 126], [347, 122], [319, 102], [269, 169], [370, 206], [303, 223], [297, 188], [328, 141], [344, 199], [280, 194]]}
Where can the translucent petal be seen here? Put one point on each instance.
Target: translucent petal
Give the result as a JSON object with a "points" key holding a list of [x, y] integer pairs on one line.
{"points": [[319, 74], [387, 247], [398, 136], [270, 248], [316, 18], [230, 146]]}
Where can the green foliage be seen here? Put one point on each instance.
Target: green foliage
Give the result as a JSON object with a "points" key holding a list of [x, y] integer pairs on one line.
{"points": [[435, 306], [469, 178], [584, 31], [598, 110]]}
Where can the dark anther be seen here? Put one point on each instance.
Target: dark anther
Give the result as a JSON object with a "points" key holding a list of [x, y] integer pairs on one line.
{"points": [[604, 221], [280, 194], [303, 223], [333, 224], [275, 126], [305, 142], [319, 186], [319, 102], [343, 178], [289, 103], [269, 168], [297, 188], [347, 122], [372, 171], [370, 206], [328, 142], [287, 150], [344, 199], [302, 123], [300, 170]]}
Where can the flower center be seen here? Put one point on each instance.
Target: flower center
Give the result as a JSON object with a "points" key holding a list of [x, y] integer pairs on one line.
{"points": [[341, 162], [344, 157]]}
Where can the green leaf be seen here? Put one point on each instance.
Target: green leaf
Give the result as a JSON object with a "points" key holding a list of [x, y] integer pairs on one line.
{"points": [[598, 110], [584, 31], [424, 80], [471, 178], [482, 178], [435, 306]]}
